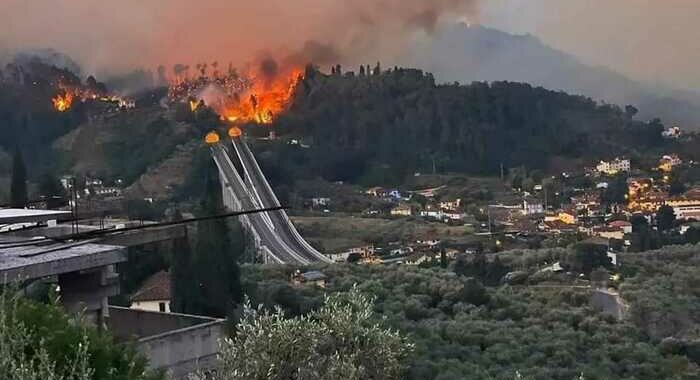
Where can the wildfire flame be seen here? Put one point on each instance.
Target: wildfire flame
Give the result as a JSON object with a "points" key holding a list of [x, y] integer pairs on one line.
{"points": [[63, 102], [68, 95], [258, 95], [264, 100]]}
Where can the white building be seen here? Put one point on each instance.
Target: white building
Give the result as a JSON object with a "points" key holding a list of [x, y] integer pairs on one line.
{"points": [[672, 133], [532, 206], [613, 167], [685, 208], [402, 210], [154, 294], [669, 161], [318, 202]]}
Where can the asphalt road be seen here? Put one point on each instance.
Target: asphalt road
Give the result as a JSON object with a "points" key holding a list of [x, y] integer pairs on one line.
{"points": [[280, 221], [268, 236]]}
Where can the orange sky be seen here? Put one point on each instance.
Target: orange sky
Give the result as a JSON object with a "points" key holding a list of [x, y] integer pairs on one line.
{"points": [[131, 33]]}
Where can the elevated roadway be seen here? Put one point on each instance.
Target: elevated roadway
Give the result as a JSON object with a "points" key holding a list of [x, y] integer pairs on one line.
{"points": [[237, 196]]}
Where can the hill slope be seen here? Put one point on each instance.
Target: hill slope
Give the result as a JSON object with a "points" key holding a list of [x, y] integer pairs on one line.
{"points": [[400, 120], [477, 53]]}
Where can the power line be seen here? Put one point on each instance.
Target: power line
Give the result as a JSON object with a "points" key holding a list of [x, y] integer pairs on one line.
{"points": [[95, 233]]}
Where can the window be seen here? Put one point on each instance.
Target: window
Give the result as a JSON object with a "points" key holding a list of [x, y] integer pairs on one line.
{"points": [[161, 307]]}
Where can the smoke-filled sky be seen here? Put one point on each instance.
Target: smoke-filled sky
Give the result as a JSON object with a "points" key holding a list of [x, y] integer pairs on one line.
{"points": [[127, 33], [650, 40], [655, 41]]}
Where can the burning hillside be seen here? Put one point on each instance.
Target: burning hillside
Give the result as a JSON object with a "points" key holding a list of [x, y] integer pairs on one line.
{"points": [[256, 96], [67, 95], [62, 101]]}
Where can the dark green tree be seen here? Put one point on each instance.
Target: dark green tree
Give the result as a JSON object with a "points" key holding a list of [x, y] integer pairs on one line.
{"points": [[616, 190], [183, 283], [18, 184], [216, 255], [677, 186], [692, 235], [50, 188], [665, 218], [587, 256]]}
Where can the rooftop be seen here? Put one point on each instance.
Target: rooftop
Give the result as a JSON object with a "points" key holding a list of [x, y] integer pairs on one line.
{"points": [[24, 259], [155, 288], [21, 215]]}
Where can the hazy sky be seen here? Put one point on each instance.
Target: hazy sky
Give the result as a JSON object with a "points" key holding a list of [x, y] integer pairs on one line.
{"points": [[124, 33], [656, 41]]}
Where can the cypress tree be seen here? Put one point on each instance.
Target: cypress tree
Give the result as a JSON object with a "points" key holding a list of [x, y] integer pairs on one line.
{"points": [[215, 266], [183, 284], [18, 184]]}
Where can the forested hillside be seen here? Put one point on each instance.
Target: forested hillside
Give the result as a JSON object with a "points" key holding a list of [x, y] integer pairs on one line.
{"points": [[543, 327], [375, 126], [27, 117], [401, 118]]}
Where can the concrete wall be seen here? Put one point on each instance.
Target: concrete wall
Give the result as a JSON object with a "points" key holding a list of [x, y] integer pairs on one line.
{"points": [[177, 343]]}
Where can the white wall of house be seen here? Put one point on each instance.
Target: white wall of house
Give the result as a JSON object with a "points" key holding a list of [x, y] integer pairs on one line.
{"points": [[155, 305]]}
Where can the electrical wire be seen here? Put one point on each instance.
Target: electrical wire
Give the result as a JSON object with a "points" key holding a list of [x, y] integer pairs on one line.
{"points": [[94, 233]]}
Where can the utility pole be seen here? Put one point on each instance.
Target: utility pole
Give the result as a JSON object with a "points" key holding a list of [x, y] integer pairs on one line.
{"points": [[488, 214], [74, 206], [502, 172]]}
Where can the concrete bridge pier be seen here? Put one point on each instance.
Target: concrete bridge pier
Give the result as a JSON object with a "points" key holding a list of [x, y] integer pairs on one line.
{"points": [[234, 204], [87, 292]]}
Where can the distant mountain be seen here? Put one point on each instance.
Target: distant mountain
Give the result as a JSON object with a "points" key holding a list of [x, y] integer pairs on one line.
{"points": [[476, 53]]}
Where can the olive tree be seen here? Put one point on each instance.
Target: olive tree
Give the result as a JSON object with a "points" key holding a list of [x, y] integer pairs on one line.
{"points": [[22, 359], [340, 340]]}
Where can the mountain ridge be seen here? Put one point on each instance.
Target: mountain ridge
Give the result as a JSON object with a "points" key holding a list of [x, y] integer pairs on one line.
{"points": [[467, 53]]}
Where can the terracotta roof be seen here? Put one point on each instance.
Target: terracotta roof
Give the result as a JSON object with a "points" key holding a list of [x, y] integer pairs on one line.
{"points": [[313, 275], [619, 223], [155, 288]]}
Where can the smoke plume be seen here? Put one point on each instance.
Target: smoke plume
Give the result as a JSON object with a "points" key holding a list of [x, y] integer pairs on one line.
{"points": [[117, 36]]}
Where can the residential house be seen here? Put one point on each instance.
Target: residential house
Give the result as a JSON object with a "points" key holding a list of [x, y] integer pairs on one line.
{"points": [[340, 257], [613, 167], [568, 216], [429, 193], [320, 202], [637, 187], [686, 207], [587, 204], [380, 192], [432, 212], [416, 259], [363, 252], [154, 294], [622, 224], [649, 202], [402, 210], [668, 162], [556, 226], [453, 215], [108, 191], [532, 206], [451, 205], [313, 277], [607, 232], [93, 181], [394, 194], [401, 251], [671, 133], [375, 192]]}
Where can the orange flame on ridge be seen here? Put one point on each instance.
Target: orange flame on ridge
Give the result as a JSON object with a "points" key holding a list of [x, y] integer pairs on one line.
{"points": [[63, 102], [263, 101]]}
